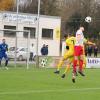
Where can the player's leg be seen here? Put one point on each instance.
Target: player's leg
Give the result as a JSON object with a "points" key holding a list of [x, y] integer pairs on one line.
{"points": [[66, 71], [69, 62], [6, 59], [65, 57], [60, 63], [59, 66], [0, 58], [73, 77], [67, 68], [75, 62], [84, 62], [84, 57], [0, 61], [74, 73], [81, 65], [81, 61]]}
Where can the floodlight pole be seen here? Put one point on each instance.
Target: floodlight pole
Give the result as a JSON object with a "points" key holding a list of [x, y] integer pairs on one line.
{"points": [[17, 1], [37, 35], [28, 51]]}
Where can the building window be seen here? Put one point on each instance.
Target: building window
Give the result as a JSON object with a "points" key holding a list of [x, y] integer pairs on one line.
{"points": [[47, 33], [32, 32], [9, 33]]}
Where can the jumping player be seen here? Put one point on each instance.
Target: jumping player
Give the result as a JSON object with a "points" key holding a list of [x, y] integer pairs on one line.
{"points": [[71, 59], [70, 40], [78, 52]]}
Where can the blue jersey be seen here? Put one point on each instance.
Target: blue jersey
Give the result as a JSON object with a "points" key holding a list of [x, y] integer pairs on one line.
{"points": [[0, 50], [4, 47]]}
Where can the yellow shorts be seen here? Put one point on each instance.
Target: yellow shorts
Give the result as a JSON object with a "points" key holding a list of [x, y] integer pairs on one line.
{"points": [[68, 54]]}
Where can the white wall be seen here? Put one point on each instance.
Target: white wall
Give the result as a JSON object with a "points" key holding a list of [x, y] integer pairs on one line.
{"points": [[45, 22]]}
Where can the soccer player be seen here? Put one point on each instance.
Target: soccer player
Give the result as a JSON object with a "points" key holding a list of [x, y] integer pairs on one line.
{"points": [[78, 52], [70, 40], [70, 60], [69, 54], [3, 54]]}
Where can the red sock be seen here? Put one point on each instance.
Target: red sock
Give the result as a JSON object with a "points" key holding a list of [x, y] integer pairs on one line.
{"points": [[80, 65], [74, 65]]}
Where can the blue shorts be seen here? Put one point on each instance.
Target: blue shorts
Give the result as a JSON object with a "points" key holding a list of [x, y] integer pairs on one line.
{"points": [[3, 55]]}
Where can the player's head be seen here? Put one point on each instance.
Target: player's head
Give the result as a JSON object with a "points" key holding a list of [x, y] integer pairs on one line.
{"points": [[82, 28], [3, 40], [69, 35], [65, 36]]}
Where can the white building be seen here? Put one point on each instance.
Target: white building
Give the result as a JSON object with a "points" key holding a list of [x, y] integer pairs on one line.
{"points": [[49, 30]]}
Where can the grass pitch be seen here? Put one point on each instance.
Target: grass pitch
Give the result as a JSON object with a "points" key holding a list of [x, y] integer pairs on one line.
{"points": [[43, 84]]}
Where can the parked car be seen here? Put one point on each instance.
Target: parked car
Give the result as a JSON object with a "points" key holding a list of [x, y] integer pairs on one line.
{"points": [[21, 53]]}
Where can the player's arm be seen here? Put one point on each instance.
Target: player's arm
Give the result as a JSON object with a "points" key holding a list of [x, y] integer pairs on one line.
{"points": [[6, 47], [90, 43]]}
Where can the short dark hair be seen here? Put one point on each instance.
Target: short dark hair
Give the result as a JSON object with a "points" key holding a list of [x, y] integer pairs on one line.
{"points": [[65, 35], [70, 34]]}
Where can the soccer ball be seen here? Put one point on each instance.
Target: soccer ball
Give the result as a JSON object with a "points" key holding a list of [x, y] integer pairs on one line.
{"points": [[43, 62], [88, 19]]}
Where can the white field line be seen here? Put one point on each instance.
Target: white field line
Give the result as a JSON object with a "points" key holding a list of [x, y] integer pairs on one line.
{"points": [[47, 91]]}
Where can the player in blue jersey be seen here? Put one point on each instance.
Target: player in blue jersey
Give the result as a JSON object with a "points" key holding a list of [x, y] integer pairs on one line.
{"points": [[3, 52]]}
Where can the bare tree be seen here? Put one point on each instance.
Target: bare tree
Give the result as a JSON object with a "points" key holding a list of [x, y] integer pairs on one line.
{"points": [[6, 4]]}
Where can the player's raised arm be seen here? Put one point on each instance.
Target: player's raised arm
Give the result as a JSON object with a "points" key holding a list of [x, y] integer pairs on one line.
{"points": [[90, 43]]}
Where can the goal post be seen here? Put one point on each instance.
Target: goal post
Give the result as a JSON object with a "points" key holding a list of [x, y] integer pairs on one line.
{"points": [[22, 42]]}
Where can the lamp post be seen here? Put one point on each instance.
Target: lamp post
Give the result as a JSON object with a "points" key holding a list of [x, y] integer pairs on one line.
{"points": [[37, 35], [17, 12]]}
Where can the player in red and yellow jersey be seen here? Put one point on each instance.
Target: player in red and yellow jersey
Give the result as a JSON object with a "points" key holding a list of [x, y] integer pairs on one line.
{"points": [[79, 53]]}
